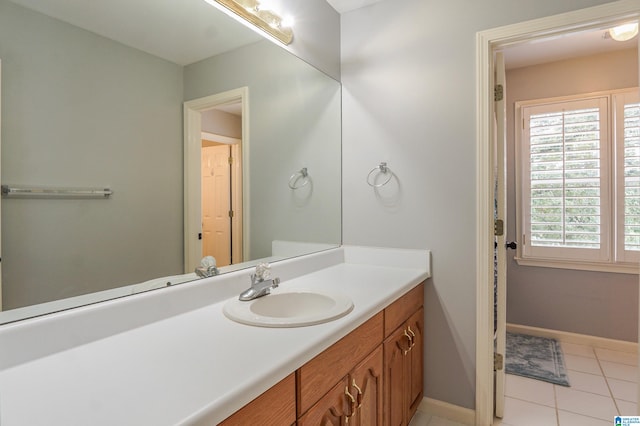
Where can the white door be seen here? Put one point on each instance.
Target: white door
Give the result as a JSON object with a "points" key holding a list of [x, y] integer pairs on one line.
{"points": [[216, 203], [501, 215]]}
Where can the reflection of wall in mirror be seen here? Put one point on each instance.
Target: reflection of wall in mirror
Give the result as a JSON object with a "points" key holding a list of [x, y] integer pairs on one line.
{"points": [[81, 110], [298, 126], [100, 103]]}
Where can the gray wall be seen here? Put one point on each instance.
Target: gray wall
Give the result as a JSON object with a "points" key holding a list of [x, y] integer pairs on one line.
{"points": [[81, 110], [294, 121], [73, 105], [316, 36], [593, 303], [408, 99], [222, 123]]}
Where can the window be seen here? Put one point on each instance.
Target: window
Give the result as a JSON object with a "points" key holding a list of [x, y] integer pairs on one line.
{"points": [[579, 174]]}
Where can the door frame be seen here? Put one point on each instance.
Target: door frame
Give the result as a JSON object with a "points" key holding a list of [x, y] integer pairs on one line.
{"points": [[192, 151], [486, 42]]}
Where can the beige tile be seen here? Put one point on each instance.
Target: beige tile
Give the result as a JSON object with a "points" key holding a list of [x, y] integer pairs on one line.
{"points": [[575, 349], [626, 391], [531, 390], [523, 413], [620, 371], [439, 421], [420, 419], [585, 403], [627, 408], [583, 364], [593, 383], [566, 418], [617, 356], [500, 422]]}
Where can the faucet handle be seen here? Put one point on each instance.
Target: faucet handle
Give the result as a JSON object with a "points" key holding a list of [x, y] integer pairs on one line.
{"points": [[263, 271]]}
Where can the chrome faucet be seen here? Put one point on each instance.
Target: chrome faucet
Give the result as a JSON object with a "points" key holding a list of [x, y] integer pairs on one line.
{"points": [[207, 267], [261, 284], [206, 272]]}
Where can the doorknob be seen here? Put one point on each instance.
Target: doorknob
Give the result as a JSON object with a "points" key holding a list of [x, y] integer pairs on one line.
{"points": [[511, 245]]}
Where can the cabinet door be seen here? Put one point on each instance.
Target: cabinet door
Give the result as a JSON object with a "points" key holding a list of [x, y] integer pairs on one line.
{"points": [[415, 327], [332, 409], [396, 347], [366, 388]]}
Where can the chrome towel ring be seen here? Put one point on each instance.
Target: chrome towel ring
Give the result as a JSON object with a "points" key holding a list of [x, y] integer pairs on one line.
{"points": [[302, 174], [382, 168]]}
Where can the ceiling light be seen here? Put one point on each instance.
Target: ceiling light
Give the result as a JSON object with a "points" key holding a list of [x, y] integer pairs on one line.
{"points": [[261, 17], [624, 32]]}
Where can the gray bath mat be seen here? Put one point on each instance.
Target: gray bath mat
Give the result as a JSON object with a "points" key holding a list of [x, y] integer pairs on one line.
{"points": [[536, 357]]}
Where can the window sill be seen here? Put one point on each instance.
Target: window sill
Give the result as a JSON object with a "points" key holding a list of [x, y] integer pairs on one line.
{"points": [[620, 268]]}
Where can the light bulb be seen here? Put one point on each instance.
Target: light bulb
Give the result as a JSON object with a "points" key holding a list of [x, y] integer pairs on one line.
{"points": [[624, 32]]}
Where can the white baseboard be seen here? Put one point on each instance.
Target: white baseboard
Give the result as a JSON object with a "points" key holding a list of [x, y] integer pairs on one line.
{"points": [[445, 410], [580, 339]]}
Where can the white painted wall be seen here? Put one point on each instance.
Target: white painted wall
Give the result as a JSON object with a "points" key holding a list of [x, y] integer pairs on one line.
{"points": [[408, 72]]}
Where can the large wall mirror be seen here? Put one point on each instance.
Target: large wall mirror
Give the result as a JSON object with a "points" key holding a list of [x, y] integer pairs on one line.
{"points": [[94, 96]]}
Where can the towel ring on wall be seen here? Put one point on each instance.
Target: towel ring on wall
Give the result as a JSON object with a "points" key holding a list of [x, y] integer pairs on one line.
{"points": [[382, 168], [297, 176]]}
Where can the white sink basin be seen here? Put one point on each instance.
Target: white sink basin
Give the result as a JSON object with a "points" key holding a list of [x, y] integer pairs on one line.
{"points": [[289, 308]]}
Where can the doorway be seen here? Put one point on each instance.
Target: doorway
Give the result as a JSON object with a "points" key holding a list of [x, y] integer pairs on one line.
{"points": [[216, 178], [487, 43]]}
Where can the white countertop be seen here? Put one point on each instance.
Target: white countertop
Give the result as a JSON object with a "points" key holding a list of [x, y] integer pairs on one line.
{"points": [[190, 365]]}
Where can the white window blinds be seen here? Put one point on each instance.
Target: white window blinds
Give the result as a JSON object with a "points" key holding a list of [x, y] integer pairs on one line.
{"points": [[566, 183]]}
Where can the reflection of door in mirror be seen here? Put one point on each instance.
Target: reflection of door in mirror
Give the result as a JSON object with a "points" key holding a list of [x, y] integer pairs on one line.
{"points": [[216, 202], [221, 201], [221, 183]]}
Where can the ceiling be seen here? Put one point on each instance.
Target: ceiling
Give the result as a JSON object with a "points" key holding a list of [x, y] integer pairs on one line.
{"points": [[347, 5], [564, 46], [187, 31], [180, 31]]}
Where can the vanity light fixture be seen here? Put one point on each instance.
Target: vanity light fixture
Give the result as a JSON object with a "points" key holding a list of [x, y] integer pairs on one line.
{"points": [[624, 32], [263, 18]]}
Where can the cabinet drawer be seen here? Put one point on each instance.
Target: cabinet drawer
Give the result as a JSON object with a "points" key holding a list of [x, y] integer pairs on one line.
{"points": [[275, 407], [319, 375], [398, 312]]}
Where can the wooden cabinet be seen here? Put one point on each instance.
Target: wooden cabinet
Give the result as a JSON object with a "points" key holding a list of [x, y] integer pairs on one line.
{"points": [[403, 359], [366, 387], [275, 407], [372, 376], [334, 372]]}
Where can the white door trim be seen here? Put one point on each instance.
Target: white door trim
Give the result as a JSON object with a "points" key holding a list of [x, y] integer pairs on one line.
{"points": [[0, 200], [486, 42], [192, 147]]}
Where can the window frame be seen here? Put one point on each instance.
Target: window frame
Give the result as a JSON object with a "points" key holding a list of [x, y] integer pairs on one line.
{"points": [[609, 258], [618, 101]]}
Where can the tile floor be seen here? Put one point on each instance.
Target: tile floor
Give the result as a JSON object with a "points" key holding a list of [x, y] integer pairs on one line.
{"points": [[604, 383]]}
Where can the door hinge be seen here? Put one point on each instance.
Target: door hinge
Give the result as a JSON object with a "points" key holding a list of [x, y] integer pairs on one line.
{"points": [[199, 235], [231, 213], [498, 227], [498, 93], [230, 160], [498, 361]]}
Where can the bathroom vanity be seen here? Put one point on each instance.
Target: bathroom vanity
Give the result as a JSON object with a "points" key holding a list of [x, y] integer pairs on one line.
{"points": [[172, 357]]}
